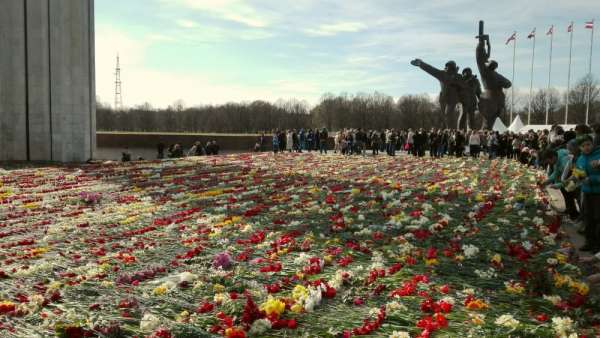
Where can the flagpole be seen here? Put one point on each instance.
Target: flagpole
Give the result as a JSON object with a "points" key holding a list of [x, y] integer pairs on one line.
{"points": [[549, 75], [589, 93], [512, 96], [569, 76], [531, 84]]}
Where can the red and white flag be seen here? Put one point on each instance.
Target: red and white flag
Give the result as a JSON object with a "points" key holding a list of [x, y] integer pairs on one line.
{"points": [[532, 34], [551, 30], [589, 24], [570, 28], [512, 38]]}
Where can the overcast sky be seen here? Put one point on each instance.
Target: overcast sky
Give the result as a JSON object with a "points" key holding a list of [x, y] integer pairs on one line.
{"points": [[216, 51]]}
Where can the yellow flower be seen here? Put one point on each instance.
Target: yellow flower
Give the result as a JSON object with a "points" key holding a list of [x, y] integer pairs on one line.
{"points": [[459, 258], [560, 280], [299, 292], [355, 192], [477, 304], [328, 259], [183, 317], [516, 288], [430, 262], [273, 306], [39, 251], [496, 259], [477, 318], [297, 308], [562, 259], [581, 288], [159, 290], [31, 205], [218, 288], [578, 173]]}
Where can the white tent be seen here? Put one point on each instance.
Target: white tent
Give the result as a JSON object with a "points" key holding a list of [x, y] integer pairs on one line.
{"points": [[499, 126], [516, 126]]}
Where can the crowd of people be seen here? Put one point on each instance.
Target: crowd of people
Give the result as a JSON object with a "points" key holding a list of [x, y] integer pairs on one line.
{"points": [[573, 163], [524, 147], [298, 140], [177, 151]]}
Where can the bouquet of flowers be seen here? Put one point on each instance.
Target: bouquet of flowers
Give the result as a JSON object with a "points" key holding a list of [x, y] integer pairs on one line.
{"points": [[576, 179], [90, 197]]}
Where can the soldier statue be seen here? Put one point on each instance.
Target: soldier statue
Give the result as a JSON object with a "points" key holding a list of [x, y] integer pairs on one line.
{"points": [[451, 83], [470, 95], [492, 103]]}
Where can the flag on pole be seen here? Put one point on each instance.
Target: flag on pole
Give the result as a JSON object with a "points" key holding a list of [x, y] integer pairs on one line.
{"points": [[512, 38], [532, 34], [551, 30], [570, 28], [589, 24]]}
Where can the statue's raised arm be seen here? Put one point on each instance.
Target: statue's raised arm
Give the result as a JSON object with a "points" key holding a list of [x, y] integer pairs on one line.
{"points": [[429, 69]]}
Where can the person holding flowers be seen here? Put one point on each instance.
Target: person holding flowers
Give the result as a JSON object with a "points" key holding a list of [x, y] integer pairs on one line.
{"points": [[590, 186], [558, 160]]}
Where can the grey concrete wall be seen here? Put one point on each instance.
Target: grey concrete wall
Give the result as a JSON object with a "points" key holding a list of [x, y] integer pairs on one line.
{"points": [[38, 58], [47, 81], [13, 117]]}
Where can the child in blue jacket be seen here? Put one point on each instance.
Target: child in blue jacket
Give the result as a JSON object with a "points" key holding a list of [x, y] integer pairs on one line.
{"points": [[590, 186]]}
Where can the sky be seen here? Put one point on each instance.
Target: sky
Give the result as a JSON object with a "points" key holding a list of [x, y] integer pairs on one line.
{"points": [[217, 51]]}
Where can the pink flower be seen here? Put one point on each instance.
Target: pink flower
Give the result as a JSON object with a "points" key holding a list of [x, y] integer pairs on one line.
{"points": [[222, 260]]}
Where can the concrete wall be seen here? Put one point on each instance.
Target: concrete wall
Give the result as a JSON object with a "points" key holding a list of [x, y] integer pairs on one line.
{"points": [[47, 80]]}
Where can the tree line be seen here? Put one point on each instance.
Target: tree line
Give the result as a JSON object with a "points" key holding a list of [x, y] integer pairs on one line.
{"points": [[334, 112]]}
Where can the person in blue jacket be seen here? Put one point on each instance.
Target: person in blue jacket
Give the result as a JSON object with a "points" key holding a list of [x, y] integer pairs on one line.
{"points": [[590, 186], [558, 160]]}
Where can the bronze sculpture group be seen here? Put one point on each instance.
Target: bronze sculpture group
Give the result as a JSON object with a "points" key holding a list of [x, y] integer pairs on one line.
{"points": [[464, 88]]}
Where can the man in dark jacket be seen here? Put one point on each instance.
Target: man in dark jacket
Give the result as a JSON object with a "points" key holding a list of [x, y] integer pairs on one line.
{"points": [[323, 137]]}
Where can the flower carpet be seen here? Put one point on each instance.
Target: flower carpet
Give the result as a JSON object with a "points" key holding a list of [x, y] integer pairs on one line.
{"points": [[292, 245]]}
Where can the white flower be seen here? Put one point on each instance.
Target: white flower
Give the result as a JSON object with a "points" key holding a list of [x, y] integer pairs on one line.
{"points": [[562, 326], [487, 274], [461, 228], [149, 322], [400, 334], [553, 299], [394, 306], [527, 245], [470, 250], [333, 332], [260, 326], [302, 258], [187, 277], [374, 312], [507, 321], [449, 300]]}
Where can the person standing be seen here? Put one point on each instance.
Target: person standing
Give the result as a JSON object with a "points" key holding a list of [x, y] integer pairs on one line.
{"points": [[290, 141], [160, 147], [459, 143], [410, 140], [323, 137], [375, 143], [590, 186], [275, 141], [474, 144]]}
